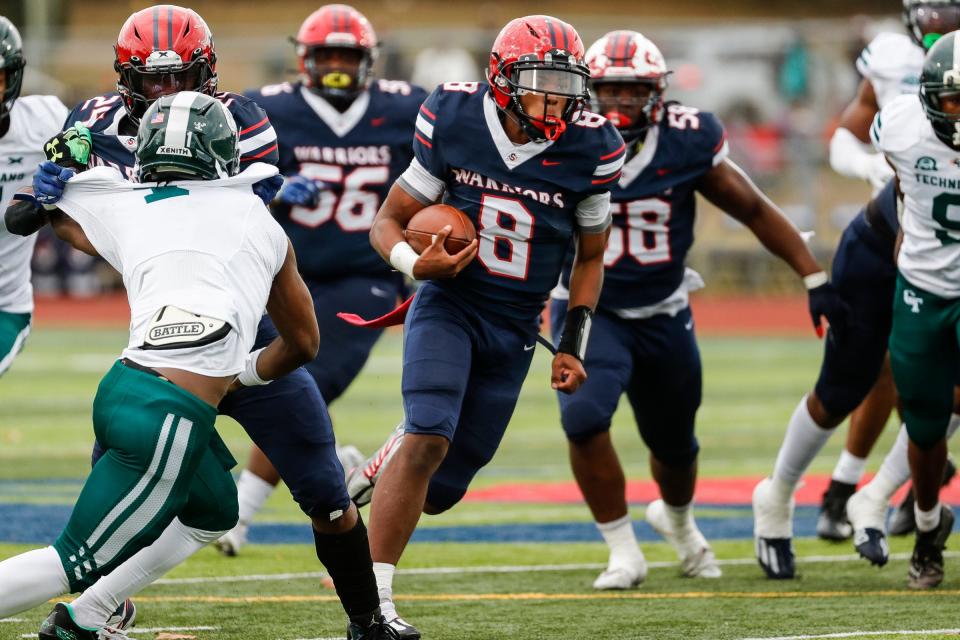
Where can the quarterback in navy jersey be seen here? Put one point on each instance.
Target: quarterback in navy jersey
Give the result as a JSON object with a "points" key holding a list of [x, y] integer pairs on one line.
{"points": [[288, 418], [531, 170], [344, 138], [643, 341]]}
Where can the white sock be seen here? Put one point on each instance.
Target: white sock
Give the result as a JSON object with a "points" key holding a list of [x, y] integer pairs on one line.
{"points": [[621, 540], [849, 468], [893, 472], [927, 520], [30, 579], [252, 492], [681, 518], [801, 444], [953, 424], [177, 543], [383, 572]]}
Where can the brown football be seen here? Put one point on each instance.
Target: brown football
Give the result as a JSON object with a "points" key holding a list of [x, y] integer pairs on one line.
{"points": [[428, 221]]}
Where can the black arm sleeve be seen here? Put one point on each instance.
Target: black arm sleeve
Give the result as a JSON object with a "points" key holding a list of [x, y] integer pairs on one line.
{"points": [[24, 218]]}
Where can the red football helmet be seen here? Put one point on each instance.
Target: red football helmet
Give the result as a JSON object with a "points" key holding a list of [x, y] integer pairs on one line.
{"points": [[626, 57], [162, 50], [336, 26], [539, 54]]}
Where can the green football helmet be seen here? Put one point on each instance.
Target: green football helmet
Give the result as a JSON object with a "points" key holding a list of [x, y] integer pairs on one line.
{"points": [[12, 63], [187, 136], [940, 77]]}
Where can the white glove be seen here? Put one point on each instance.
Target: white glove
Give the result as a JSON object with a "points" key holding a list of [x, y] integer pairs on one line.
{"points": [[850, 157]]}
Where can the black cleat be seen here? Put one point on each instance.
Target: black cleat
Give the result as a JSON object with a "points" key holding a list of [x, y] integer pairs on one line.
{"points": [[903, 520], [926, 564], [775, 555], [872, 545], [60, 625], [832, 524], [380, 629]]}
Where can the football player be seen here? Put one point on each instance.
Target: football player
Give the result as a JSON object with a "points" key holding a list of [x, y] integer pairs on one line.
{"points": [[25, 124], [921, 140], [532, 170], [344, 138], [154, 412], [644, 342], [303, 447], [890, 67]]}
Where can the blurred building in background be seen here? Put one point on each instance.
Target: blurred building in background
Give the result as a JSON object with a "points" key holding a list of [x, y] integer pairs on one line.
{"points": [[778, 73]]}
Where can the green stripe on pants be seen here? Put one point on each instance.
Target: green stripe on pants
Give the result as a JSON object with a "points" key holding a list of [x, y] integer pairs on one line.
{"points": [[158, 443], [14, 329]]}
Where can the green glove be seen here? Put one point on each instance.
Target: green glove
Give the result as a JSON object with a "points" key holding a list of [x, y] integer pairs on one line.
{"points": [[70, 148]]}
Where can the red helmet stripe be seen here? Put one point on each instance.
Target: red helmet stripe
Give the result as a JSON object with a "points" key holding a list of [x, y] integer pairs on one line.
{"points": [[622, 41], [611, 47], [631, 48]]}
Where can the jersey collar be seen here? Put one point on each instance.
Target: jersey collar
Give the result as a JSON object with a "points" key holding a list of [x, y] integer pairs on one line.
{"points": [[113, 129], [339, 123], [512, 155], [635, 166]]}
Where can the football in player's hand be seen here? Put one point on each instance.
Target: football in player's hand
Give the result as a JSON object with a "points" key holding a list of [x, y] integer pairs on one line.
{"points": [[427, 222]]}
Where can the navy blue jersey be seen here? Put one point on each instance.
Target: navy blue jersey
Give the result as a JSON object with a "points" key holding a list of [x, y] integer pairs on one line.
{"points": [[103, 114], [357, 155], [525, 201], [654, 207]]}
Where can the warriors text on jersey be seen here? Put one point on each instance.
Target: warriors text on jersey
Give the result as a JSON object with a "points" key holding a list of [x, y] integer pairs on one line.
{"points": [[654, 207], [526, 201], [33, 121], [929, 173], [357, 155], [112, 147], [220, 264], [891, 63]]}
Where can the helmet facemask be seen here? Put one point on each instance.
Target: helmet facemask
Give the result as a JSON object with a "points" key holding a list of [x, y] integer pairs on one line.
{"points": [[163, 73], [337, 73], [927, 22], [14, 82], [634, 111], [556, 76]]}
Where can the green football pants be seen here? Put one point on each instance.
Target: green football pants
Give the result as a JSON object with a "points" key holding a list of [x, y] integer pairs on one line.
{"points": [[163, 459], [925, 356], [14, 329]]}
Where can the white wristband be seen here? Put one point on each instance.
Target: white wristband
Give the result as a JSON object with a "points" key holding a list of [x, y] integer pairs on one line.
{"points": [[403, 257], [250, 377], [815, 280]]}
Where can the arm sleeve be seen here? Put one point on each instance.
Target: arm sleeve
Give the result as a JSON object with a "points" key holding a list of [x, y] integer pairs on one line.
{"points": [[593, 213], [424, 178]]}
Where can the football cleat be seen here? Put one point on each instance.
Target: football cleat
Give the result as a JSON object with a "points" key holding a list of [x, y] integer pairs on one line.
{"points": [[350, 458], [231, 542], [773, 532], [377, 630], [867, 515], [60, 625], [926, 563], [623, 576], [696, 557], [124, 617], [361, 479], [832, 523], [401, 629]]}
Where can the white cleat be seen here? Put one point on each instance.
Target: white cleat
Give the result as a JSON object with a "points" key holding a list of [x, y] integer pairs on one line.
{"points": [[362, 478], [868, 517], [773, 531], [696, 557], [231, 542], [623, 576], [350, 458]]}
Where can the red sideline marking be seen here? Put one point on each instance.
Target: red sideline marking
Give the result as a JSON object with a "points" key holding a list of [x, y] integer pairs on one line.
{"points": [[98, 312], [725, 491]]}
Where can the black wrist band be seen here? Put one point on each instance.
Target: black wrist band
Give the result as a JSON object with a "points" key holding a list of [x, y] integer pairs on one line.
{"points": [[576, 331], [24, 218]]}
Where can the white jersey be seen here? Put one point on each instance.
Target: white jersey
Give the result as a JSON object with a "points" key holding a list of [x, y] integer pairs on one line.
{"points": [[209, 248], [33, 121], [929, 173], [892, 63]]}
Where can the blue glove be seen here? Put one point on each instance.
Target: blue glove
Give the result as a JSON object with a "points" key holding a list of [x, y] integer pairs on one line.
{"points": [[301, 191], [49, 180], [267, 188], [826, 301]]}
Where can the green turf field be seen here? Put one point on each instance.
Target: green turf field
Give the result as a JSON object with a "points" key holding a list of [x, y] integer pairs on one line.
{"points": [[492, 590]]}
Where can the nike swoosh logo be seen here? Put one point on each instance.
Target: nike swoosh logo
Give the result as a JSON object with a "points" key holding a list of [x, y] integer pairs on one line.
{"points": [[380, 293], [663, 172], [529, 348], [688, 325], [548, 163], [376, 122]]}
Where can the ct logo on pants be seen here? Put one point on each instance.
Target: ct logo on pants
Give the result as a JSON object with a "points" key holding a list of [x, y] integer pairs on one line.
{"points": [[911, 300]]}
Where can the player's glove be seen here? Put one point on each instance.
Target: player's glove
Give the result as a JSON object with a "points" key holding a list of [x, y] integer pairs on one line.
{"points": [[300, 191], [70, 148], [48, 182], [825, 302], [267, 188]]}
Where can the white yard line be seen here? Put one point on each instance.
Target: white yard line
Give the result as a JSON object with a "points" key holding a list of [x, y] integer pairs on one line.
{"points": [[12, 620], [140, 630], [536, 568], [858, 634]]}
